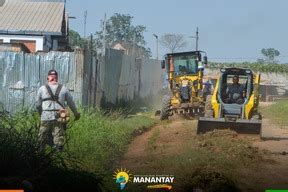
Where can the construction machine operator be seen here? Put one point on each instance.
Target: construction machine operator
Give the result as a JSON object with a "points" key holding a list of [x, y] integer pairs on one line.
{"points": [[235, 92]]}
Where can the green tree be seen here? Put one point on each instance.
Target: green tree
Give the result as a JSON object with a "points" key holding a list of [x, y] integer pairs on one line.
{"points": [[173, 42], [270, 54], [119, 29], [75, 40]]}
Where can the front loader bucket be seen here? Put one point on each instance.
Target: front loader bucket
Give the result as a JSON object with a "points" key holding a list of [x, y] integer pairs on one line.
{"points": [[243, 126]]}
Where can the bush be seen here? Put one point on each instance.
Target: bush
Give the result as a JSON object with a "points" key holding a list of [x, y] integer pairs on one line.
{"points": [[260, 67], [93, 144], [24, 165]]}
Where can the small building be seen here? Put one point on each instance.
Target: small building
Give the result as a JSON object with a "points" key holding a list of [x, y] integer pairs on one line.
{"points": [[131, 49], [118, 46], [38, 25], [14, 47]]}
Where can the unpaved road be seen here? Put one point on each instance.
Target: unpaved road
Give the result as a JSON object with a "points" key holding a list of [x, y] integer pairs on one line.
{"points": [[148, 152], [274, 137], [162, 140]]}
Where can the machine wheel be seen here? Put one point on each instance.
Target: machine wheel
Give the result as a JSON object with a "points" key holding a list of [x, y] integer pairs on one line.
{"points": [[165, 108], [257, 116], [208, 107]]}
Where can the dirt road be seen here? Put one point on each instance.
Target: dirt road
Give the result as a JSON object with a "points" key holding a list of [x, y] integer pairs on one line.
{"points": [[249, 163], [161, 140]]}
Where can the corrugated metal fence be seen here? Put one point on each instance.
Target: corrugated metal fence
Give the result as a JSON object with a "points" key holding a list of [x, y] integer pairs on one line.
{"points": [[114, 77], [22, 74], [128, 77]]}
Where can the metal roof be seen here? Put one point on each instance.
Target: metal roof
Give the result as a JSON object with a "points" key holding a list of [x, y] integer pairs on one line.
{"points": [[30, 17]]}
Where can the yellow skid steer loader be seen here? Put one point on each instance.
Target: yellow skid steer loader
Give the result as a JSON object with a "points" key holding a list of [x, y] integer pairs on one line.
{"points": [[234, 103]]}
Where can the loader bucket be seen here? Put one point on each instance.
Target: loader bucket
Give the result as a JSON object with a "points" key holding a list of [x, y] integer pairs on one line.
{"points": [[243, 126]]}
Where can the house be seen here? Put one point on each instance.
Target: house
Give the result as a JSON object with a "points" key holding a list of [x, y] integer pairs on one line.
{"points": [[38, 25], [14, 47], [118, 46], [131, 49]]}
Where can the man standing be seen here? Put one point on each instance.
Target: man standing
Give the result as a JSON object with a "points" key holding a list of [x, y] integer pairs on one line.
{"points": [[51, 105]]}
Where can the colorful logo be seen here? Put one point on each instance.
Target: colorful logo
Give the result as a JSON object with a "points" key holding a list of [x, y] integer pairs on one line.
{"points": [[122, 177]]}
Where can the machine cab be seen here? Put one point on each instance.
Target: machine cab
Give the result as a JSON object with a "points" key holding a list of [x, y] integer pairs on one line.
{"points": [[184, 63], [235, 89], [236, 85]]}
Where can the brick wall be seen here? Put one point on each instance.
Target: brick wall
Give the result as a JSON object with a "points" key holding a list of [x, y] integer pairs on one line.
{"points": [[31, 45]]}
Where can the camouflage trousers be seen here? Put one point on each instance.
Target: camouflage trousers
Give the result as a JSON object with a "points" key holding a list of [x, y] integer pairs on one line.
{"points": [[52, 133]]}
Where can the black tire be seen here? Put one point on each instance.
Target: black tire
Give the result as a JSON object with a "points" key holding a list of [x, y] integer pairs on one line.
{"points": [[257, 116], [165, 110], [208, 107]]}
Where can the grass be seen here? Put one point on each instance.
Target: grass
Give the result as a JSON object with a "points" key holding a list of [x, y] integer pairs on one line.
{"points": [[96, 138], [94, 142], [277, 112], [152, 140], [99, 140], [24, 165]]}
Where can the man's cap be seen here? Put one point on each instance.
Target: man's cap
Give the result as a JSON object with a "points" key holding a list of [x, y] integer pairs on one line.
{"points": [[52, 72]]}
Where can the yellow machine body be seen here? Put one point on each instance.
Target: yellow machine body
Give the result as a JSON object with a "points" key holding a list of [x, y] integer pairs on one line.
{"points": [[185, 77], [223, 115]]}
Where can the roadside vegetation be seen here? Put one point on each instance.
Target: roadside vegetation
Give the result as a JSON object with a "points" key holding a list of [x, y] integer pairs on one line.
{"points": [[100, 140], [94, 143], [24, 165], [255, 66], [277, 112], [268, 63]]}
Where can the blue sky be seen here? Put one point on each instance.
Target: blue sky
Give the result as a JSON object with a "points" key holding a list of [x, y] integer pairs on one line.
{"points": [[229, 30]]}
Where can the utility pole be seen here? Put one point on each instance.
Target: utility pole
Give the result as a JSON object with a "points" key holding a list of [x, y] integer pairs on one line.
{"points": [[104, 34], [157, 50], [196, 37], [85, 20]]}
